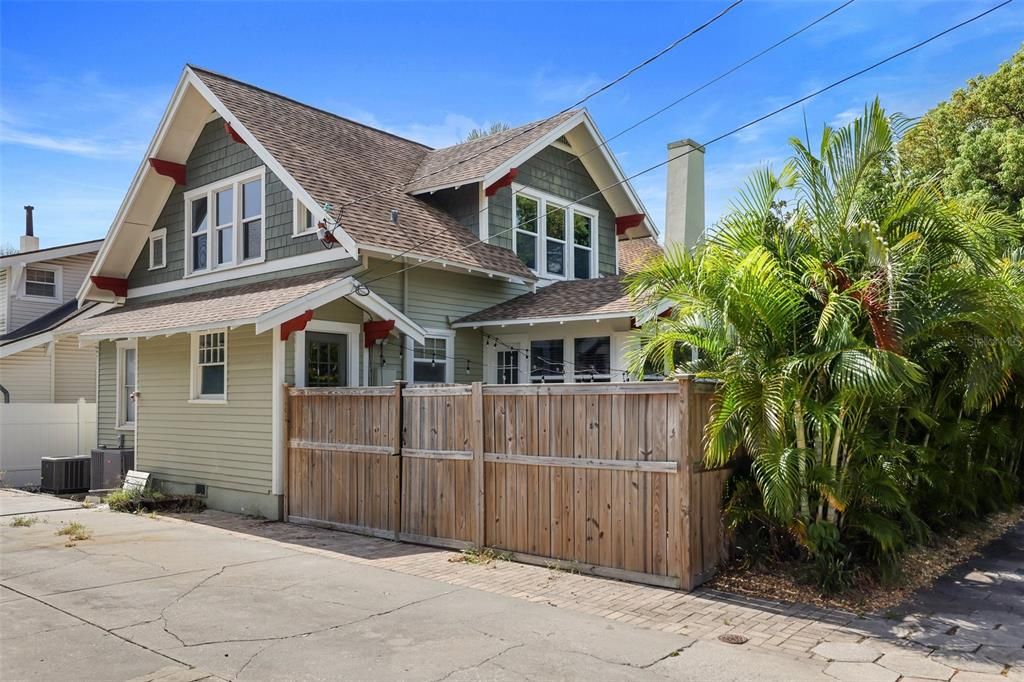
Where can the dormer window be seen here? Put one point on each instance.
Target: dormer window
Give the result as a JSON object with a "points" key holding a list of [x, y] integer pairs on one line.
{"points": [[224, 223], [544, 241]]}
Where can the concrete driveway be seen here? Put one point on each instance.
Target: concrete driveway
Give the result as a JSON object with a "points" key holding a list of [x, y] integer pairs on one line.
{"points": [[149, 598]]}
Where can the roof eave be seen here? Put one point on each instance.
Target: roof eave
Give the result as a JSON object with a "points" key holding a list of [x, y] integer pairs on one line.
{"points": [[530, 321]]}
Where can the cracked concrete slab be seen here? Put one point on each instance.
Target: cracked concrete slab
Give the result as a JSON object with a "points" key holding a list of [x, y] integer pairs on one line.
{"points": [[714, 661]]}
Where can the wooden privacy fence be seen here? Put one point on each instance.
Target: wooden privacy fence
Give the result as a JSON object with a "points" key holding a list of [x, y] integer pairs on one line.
{"points": [[602, 478]]}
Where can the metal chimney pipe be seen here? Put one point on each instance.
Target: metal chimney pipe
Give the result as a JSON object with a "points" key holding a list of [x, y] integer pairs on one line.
{"points": [[28, 221]]}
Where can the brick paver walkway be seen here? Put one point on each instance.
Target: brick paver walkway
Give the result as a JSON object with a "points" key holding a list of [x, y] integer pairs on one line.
{"points": [[982, 640]]}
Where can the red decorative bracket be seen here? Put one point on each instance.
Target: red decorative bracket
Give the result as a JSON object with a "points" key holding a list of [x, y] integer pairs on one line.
{"points": [[117, 285], [296, 324], [231, 131], [627, 221], [376, 330], [175, 171], [504, 181]]}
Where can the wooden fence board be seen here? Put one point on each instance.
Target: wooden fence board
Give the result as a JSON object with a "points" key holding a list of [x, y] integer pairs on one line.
{"points": [[606, 478]]}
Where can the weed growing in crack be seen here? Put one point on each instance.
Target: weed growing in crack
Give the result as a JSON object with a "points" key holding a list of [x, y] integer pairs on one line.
{"points": [[480, 555], [23, 521], [75, 532]]}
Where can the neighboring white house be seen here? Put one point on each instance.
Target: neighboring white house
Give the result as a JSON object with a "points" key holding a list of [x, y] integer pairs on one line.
{"points": [[38, 290]]}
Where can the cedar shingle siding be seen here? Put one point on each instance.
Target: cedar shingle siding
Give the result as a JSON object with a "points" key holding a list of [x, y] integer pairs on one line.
{"points": [[556, 172], [215, 157]]}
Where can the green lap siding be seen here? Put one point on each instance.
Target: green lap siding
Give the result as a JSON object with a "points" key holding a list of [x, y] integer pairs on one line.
{"points": [[106, 399], [223, 445]]}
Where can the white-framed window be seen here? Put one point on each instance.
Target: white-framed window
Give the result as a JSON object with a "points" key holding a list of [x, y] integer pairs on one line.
{"points": [[327, 354], [127, 378], [157, 249], [302, 220], [224, 223], [552, 237], [210, 366], [43, 282], [431, 362]]}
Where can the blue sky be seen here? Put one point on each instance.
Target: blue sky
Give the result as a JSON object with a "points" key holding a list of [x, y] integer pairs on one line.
{"points": [[83, 85]]}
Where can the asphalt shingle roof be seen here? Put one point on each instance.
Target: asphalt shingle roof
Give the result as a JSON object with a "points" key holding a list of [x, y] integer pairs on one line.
{"points": [[604, 295], [48, 322], [634, 253], [338, 160], [458, 163], [246, 302]]}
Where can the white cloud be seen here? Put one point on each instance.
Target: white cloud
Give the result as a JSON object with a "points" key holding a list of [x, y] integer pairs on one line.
{"points": [[452, 129], [563, 90], [95, 148]]}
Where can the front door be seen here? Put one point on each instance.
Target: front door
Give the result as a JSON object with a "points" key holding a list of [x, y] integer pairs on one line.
{"points": [[326, 361]]}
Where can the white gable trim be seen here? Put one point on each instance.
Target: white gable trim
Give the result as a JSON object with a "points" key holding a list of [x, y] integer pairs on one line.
{"points": [[581, 118], [296, 189], [189, 81]]}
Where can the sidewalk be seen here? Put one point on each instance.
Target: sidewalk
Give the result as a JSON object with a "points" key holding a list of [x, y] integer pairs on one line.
{"points": [[978, 635]]}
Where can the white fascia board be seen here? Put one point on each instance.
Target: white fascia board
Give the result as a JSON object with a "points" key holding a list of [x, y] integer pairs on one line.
{"points": [[298, 192], [168, 331], [133, 189], [497, 173], [447, 185], [50, 254], [26, 343], [583, 117], [310, 301], [439, 263], [620, 175], [242, 271], [594, 317]]}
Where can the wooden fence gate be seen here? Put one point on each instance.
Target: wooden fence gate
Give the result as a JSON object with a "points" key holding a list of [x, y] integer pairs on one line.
{"points": [[602, 478]]}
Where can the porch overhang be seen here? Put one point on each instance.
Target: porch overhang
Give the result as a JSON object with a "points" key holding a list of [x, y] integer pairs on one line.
{"points": [[264, 305], [533, 321]]}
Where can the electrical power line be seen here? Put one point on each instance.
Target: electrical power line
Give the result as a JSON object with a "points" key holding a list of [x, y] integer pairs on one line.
{"points": [[714, 80], [719, 138], [401, 186], [661, 110]]}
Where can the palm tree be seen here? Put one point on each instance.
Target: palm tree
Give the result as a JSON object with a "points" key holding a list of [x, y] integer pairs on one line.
{"points": [[837, 327]]}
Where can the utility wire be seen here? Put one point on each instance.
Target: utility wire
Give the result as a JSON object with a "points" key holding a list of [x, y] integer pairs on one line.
{"points": [[401, 186], [719, 138], [668, 106], [714, 80]]}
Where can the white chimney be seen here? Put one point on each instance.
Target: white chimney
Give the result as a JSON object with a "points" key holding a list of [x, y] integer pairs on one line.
{"points": [[29, 241], [684, 196]]}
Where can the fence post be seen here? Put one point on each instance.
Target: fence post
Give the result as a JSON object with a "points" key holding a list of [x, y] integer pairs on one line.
{"points": [[398, 425], [286, 425], [477, 442], [684, 479]]}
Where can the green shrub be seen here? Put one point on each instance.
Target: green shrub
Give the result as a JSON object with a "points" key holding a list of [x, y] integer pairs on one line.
{"points": [[134, 501]]}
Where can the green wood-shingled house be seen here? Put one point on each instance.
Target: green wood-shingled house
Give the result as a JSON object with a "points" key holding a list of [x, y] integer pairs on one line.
{"points": [[497, 260]]}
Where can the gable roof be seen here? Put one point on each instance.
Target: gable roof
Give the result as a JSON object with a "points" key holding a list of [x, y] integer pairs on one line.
{"points": [[580, 298], [635, 253], [51, 253], [458, 164], [337, 161]]}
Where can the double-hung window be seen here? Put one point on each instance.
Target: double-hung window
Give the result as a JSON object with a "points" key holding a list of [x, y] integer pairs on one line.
{"points": [[430, 361], [43, 282], [127, 371], [225, 223], [553, 237], [527, 217], [210, 366]]}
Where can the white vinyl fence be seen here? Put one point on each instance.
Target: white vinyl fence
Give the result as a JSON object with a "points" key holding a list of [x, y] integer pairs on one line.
{"points": [[31, 431]]}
